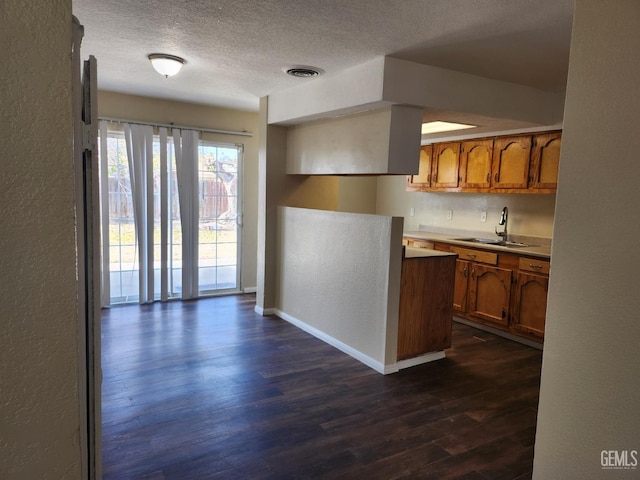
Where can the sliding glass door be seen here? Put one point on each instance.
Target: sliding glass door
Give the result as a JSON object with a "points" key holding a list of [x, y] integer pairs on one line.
{"points": [[216, 237], [122, 250], [219, 220]]}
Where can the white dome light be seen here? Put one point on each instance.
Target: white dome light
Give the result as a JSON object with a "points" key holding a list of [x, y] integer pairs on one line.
{"points": [[166, 65]]}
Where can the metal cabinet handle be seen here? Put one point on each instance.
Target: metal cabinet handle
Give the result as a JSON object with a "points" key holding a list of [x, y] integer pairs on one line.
{"points": [[488, 177], [496, 177], [473, 274], [471, 255], [537, 267], [464, 272]]}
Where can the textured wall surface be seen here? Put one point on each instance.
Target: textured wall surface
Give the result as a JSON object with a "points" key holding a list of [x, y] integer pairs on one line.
{"points": [[382, 141], [39, 408], [528, 214], [590, 392], [336, 275], [276, 188]]}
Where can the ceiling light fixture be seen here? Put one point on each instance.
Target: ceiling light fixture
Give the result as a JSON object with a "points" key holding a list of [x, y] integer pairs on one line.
{"points": [[302, 71], [436, 127], [166, 65]]}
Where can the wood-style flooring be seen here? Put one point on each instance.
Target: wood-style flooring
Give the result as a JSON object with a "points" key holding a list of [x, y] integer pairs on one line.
{"points": [[208, 389]]}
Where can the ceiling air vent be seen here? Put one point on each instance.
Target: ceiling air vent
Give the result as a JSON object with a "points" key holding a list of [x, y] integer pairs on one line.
{"points": [[301, 71]]}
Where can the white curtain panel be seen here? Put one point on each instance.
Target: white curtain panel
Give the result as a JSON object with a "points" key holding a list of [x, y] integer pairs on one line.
{"points": [[186, 150], [139, 141], [164, 215], [104, 216]]}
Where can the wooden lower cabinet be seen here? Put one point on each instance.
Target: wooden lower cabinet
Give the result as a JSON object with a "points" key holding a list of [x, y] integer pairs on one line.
{"points": [[502, 290], [461, 286], [426, 312], [483, 285], [530, 303], [489, 293]]}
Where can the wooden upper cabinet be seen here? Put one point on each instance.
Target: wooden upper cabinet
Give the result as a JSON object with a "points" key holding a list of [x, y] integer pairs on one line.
{"points": [[511, 158], [545, 159], [446, 165], [525, 163], [475, 163], [423, 179]]}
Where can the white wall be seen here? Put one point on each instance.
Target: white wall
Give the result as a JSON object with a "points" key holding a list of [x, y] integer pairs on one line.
{"points": [[530, 215], [375, 142], [155, 110], [39, 366], [387, 80], [339, 273], [276, 188], [590, 392]]}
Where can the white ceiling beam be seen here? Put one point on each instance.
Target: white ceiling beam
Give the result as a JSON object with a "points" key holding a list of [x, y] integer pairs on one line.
{"points": [[389, 81]]}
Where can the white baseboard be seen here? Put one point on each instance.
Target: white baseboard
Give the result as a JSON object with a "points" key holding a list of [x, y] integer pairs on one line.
{"points": [[426, 358], [343, 347], [250, 289], [265, 312], [352, 352]]}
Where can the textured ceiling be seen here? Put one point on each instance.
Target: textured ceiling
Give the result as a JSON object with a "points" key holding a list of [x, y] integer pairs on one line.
{"points": [[236, 49]]}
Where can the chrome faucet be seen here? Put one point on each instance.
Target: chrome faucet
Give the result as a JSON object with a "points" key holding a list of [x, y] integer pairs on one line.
{"points": [[504, 216]]}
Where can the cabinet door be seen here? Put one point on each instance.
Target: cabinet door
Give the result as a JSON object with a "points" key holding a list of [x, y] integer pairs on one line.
{"points": [[475, 163], [422, 180], [510, 165], [425, 311], [460, 286], [489, 293], [530, 308], [446, 165], [545, 159]]}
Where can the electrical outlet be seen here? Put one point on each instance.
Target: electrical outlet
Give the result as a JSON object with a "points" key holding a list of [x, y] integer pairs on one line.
{"points": [[412, 212], [483, 216], [449, 214]]}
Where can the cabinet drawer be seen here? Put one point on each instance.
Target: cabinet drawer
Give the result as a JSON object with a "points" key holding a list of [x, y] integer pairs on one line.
{"points": [[423, 244], [476, 255], [534, 265]]}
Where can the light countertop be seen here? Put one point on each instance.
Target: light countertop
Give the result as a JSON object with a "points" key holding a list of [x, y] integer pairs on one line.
{"points": [[533, 250], [415, 252]]}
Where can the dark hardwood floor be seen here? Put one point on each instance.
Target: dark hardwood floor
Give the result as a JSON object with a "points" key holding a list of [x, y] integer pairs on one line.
{"points": [[209, 389]]}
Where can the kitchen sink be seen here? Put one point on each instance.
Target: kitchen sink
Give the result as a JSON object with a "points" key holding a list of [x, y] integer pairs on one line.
{"points": [[479, 240], [488, 241], [515, 244]]}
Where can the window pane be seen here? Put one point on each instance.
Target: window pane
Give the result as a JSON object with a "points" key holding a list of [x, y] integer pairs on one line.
{"points": [[218, 229]]}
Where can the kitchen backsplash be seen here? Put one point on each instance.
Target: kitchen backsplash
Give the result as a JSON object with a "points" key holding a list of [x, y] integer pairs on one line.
{"points": [[529, 214]]}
